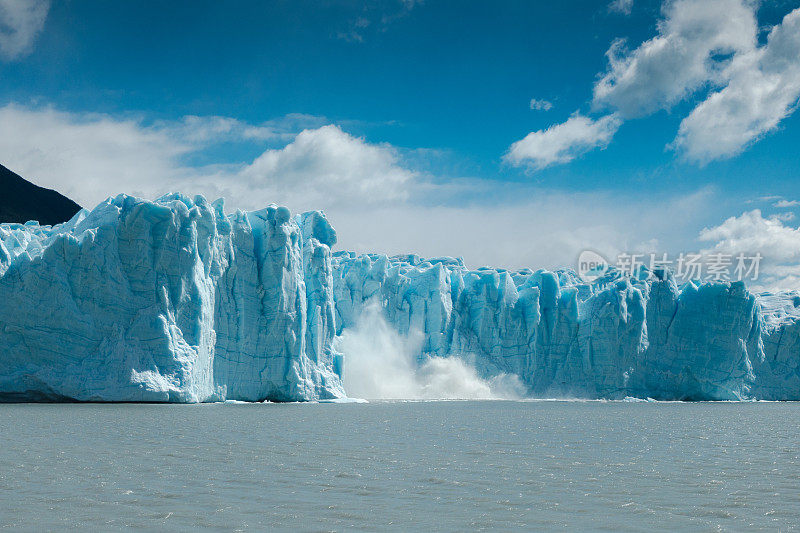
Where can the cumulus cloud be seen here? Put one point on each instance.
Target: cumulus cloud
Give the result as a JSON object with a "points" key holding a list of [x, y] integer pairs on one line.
{"points": [[92, 156], [752, 233], [541, 105], [679, 59], [707, 49], [21, 21], [563, 142], [786, 203], [764, 88], [331, 165], [375, 199]]}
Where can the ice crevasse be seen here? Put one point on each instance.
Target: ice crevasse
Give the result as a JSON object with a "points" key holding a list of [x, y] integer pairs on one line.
{"points": [[176, 301]]}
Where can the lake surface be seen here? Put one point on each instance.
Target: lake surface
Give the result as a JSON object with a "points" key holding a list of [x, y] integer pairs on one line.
{"points": [[612, 466]]}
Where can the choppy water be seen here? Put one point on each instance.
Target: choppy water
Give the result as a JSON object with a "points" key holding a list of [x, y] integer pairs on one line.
{"points": [[404, 466]]}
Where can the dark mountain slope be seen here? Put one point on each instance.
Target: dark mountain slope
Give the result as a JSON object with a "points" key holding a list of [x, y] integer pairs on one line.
{"points": [[21, 201]]}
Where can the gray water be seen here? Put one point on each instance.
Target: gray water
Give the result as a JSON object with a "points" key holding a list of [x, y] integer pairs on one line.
{"points": [[402, 466]]}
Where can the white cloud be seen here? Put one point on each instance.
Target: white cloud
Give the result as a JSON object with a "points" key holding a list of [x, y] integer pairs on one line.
{"points": [[621, 6], [20, 24], [91, 156], [679, 59], [563, 142], [331, 166], [541, 105], [764, 88], [753, 87], [786, 203], [701, 45], [376, 202], [751, 233], [211, 129], [87, 157]]}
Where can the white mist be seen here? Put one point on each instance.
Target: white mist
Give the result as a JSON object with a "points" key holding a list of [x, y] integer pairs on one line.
{"points": [[379, 363]]}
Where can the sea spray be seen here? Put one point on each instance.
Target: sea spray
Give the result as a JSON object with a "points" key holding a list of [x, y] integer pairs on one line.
{"points": [[380, 363]]}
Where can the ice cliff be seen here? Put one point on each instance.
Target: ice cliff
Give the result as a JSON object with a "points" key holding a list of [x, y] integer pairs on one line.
{"points": [[174, 300], [169, 300], [640, 336]]}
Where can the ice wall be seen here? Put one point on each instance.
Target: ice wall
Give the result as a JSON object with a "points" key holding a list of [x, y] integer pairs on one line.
{"points": [[174, 300], [779, 370], [171, 300], [620, 336]]}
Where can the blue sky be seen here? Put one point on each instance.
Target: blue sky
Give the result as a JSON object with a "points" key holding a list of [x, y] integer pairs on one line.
{"points": [[507, 132]]}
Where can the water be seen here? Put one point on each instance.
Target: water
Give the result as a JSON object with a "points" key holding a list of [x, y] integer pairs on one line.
{"points": [[403, 466]]}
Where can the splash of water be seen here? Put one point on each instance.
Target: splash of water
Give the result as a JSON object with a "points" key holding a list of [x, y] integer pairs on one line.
{"points": [[379, 363]]}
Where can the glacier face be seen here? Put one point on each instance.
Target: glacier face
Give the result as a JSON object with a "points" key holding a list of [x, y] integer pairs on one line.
{"points": [[640, 336], [169, 300], [174, 300]]}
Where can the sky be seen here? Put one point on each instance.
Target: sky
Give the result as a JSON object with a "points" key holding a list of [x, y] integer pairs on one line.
{"points": [[514, 134]]}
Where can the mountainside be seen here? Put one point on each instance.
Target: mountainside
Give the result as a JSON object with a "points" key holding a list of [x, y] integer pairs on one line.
{"points": [[21, 201]]}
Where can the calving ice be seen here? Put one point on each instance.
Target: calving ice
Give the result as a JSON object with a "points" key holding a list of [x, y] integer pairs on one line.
{"points": [[177, 301]]}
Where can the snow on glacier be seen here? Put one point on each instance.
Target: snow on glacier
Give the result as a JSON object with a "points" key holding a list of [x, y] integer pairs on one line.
{"points": [[174, 300]]}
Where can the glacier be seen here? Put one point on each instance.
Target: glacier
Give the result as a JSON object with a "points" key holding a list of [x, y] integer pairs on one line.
{"points": [[168, 301], [619, 336], [174, 300]]}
